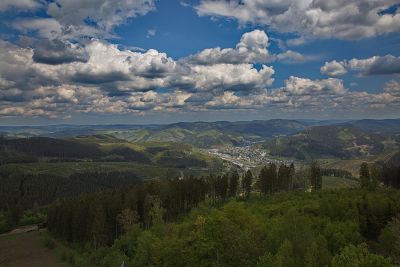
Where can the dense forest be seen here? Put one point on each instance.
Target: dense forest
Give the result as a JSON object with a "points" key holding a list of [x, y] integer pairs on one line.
{"points": [[234, 220]]}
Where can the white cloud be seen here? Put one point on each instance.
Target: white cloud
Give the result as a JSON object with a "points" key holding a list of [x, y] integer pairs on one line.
{"points": [[333, 68], [234, 77], [252, 48], [48, 28], [393, 88], [118, 81], [19, 4], [292, 57], [76, 19], [341, 19], [376, 65], [151, 33], [105, 14], [302, 86]]}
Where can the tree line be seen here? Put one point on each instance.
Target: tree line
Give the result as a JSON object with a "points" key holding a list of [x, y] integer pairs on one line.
{"points": [[174, 197]]}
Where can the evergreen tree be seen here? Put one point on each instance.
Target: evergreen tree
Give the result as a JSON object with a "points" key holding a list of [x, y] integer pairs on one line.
{"points": [[292, 172], [262, 182], [375, 174], [315, 176], [364, 175], [273, 180], [223, 185], [156, 213], [247, 183], [233, 183], [284, 257], [99, 226], [127, 219]]}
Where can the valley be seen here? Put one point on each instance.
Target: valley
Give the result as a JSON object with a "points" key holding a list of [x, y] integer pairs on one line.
{"points": [[134, 183]]}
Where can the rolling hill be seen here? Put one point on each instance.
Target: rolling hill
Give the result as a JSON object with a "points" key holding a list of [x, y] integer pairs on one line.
{"points": [[332, 141]]}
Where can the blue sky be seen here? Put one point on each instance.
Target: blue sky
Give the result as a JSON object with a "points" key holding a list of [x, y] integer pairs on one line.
{"points": [[107, 61]]}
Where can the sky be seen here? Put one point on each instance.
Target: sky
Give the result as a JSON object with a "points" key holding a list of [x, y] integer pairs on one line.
{"points": [[148, 61]]}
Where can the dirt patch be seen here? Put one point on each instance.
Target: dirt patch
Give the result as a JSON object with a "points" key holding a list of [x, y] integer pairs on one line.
{"points": [[26, 250]]}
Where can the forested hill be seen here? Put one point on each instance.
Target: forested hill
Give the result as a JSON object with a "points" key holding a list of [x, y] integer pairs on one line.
{"points": [[50, 147], [205, 134], [387, 126], [337, 141]]}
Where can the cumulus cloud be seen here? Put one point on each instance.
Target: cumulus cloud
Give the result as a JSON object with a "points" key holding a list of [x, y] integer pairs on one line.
{"points": [[302, 86], [104, 14], [333, 68], [290, 56], [376, 65], [19, 4], [219, 77], [252, 48], [75, 19], [319, 18], [393, 88], [56, 75], [57, 52], [58, 78]]}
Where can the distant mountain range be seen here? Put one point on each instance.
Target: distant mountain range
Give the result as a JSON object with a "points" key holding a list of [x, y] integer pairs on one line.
{"points": [[302, 139]]}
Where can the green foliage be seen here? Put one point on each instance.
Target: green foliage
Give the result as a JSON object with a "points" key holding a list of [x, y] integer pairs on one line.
{"points": [[247, 181], [364, 175], [233, 184], [315, 176], [325, 228], [49, 243], [359, 256], [5, 224], [328, 141], [389, 240]]}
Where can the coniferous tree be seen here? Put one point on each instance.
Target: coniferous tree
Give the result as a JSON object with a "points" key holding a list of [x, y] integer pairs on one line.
{"points": [[127, 220], [364, 175], [99, 226], [233, 183], [315, 176], [375, 174], [247, 183], [224, 185], [292, 172], [262, 182], [274, 181]]}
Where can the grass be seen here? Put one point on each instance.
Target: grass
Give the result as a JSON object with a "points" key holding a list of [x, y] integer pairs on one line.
{"points": [[65, 169], [331, 182], [30, 249], [353, 165]]}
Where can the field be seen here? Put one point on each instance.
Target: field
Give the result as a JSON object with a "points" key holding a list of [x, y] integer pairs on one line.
{"points": [[28, 250], [353, 165], [65, 169], [330, 182]]}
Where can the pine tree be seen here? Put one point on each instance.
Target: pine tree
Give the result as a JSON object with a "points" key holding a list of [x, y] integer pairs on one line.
{"points": [[292, 173], [99, 226], [375, 174], [315, 176], [262, 182], [233, 184], [273, 183], [284, 256], [127, 219], [246, 183], [364, 175]]}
